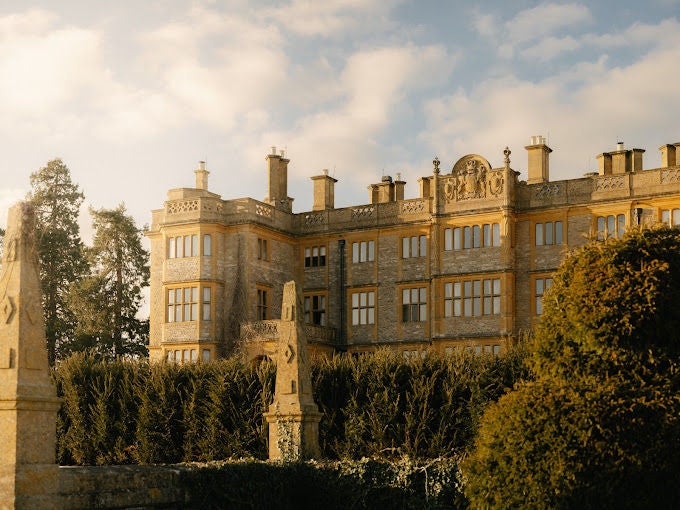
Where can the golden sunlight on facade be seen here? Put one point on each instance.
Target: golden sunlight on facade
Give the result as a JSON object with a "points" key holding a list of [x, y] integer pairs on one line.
{"points": [[464, 266]]}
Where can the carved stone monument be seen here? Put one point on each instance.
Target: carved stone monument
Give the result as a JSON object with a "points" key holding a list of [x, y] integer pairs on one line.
{"points": [[28, 401], [293, 417]]}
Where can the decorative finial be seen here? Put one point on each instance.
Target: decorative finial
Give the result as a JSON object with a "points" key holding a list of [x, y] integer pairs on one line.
{"points": [[506, 153], [435, 162]]}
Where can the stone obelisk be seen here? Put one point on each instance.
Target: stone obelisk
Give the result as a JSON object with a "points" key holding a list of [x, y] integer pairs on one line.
{"points": [[293, 417], [28, 401]]}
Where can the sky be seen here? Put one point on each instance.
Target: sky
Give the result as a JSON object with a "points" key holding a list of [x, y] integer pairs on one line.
{"points": [[131, 95]]}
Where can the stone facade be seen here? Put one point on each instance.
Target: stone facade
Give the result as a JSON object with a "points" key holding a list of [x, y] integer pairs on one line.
{"points": [[463, 266]]}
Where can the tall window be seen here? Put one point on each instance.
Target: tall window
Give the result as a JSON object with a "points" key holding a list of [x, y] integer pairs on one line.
{"points": [[471, 298], [414, 246], [541, 286], [262, 249], [671, 217], [475, 236], [315, 256], [363, 308], [611, 226], [315, 310], [182, 304], [550, 232], [363, 251], [183, 246], [414, 305], [262, 305], [207, 303]]}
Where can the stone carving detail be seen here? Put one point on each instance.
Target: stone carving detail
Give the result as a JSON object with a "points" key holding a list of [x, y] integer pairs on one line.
{"points": [[184, 206], [547, 190], [412, 207], [609, 183], [263, 210], [359, 213], [670, 176], [470, 178]]}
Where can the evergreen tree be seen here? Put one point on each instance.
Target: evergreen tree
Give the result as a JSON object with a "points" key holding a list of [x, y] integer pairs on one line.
{"points": [[109, 298], [57, 202]]}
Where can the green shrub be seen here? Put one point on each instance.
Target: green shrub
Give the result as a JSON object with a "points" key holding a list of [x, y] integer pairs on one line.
{"points": [[600, 425]]}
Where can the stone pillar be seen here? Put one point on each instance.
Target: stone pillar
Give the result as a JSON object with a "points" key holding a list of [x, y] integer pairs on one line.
{"points": [[28, 401], [293, 417]]}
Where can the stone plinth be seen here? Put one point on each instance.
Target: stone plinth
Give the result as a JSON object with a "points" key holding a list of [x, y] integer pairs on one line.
{"points": [[28, 401], [293, 417]]}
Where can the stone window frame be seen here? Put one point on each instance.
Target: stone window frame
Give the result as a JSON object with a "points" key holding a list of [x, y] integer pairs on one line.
{"points": [[315, 308], [414, 303], [414, 246], [479, 295], [549, 232], [315, 256], [359, 304], [363, 251], [470, 237]]}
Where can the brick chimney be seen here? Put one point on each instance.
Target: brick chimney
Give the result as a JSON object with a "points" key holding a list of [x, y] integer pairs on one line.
{"points": [[324, 192], [539, 160]]}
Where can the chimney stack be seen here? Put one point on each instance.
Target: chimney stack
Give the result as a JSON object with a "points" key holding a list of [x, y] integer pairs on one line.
{"points": [[324, 191], [201, 176], [539, 160]]}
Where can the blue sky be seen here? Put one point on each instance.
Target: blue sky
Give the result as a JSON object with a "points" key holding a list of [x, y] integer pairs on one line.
{"points": [[131, 95]]}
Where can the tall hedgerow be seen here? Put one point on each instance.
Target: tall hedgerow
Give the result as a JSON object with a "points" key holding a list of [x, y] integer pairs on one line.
{"points": [[600, 425]]}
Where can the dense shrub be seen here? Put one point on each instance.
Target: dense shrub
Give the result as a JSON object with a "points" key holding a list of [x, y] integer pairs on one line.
{"points": [[373, 405], [600, 425]]}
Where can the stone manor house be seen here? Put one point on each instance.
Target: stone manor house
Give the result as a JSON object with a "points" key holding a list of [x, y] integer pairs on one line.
{"points": [[464, 266]]}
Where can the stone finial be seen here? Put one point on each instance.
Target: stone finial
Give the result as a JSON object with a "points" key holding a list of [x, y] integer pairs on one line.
{"points": [[293, 416], [28, 401]]}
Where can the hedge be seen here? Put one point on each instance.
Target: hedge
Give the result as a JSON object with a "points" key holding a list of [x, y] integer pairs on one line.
{"points": [[379, 405]]}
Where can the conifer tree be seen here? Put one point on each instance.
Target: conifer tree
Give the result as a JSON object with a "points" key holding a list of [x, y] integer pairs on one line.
{"points": [[57, 200], [109, 299]]}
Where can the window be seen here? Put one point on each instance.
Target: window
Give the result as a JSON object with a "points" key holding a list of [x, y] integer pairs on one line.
{"points": [[207, 302], [414, 246], [541, 285], [207, 245], [262, 249], [183, 246], [262, 305], [315, 256], [611, 226], [315, 310], [363, 308], [363, 251], [671, 217], [414, 305], [475, 236], [472, 298], [182, 304], [550, 232]]}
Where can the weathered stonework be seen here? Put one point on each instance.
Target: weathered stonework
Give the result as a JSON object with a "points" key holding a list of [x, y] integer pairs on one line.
{"points": [[472, 194]]}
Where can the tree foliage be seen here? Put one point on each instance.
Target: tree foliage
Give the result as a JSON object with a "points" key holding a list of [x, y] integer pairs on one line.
{"points": [[600, 425], [109, 298], [57, 202]]}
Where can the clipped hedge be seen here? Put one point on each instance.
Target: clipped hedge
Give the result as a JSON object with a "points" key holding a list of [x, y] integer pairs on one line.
{"points": [[118, 412]]}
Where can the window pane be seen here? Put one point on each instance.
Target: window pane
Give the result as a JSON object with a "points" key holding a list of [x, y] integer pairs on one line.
{"points": [[476, 236], [405, 243], [558, 232], [456, 238], [496, 234], [539, 234], [448, 239]]}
